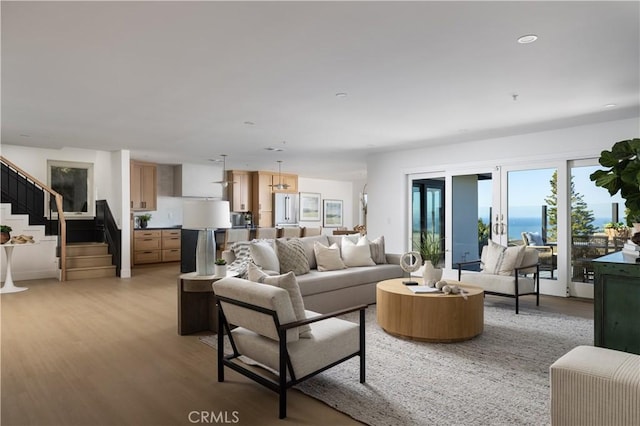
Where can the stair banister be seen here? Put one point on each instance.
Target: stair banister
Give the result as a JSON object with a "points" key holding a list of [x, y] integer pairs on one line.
{"points": [[61, 220]]}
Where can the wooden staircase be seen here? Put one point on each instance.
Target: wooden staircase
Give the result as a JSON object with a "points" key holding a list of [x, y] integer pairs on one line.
{"points": [[89, 260]]}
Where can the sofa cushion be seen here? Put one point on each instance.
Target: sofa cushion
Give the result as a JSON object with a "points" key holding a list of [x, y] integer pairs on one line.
{"points": [[292, 256], [500, 260], [356, 254], [308, 243], [377, 250], [534, 239], [288, 282], [498, 283], [337, 239], [316, 282], [264, 255], [328, 258]]}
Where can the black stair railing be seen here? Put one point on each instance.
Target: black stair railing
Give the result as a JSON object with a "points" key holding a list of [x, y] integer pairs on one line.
{"points": [[107, 225], [26, 194]]}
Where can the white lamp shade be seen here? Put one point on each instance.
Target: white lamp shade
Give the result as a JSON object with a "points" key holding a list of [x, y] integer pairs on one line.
{"points": [[206, 214]]}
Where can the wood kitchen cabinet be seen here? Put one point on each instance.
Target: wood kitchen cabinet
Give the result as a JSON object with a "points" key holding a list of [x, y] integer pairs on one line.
{"points": [[616, 301], [156, 245], [239, 192], [262, 197], [288, 179], [144, 183]]}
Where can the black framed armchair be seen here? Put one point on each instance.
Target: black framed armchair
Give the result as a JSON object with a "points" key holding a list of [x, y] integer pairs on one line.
{"points": [[266, 331]]}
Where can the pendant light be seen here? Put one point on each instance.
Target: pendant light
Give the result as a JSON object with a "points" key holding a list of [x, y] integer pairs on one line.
{"points": [[224, 182], [280, 185]]}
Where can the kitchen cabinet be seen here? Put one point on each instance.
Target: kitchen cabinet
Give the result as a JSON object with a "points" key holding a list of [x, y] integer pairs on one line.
{"points": [[288, 179], [171, 245], [262, 196], [616, 302], [156, 245], [143, 188], [239, 191]]}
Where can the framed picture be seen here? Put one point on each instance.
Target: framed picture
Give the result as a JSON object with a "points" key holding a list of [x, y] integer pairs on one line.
{"points": [[332, 213], [309, 207]]}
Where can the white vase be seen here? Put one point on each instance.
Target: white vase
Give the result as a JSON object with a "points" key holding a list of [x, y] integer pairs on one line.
{"points": [[431, 273], [220, 270]]}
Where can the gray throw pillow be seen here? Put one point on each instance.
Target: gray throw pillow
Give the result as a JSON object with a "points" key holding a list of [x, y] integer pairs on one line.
{"points": [[292, 256], [288, 282], [377, 250]]}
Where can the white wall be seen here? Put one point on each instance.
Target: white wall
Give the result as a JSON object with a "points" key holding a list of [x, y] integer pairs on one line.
{"points": [[387, 172], [331, 190]]}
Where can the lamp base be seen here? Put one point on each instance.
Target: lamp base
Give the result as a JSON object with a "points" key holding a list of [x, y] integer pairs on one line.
{"points": [[205, 252]]}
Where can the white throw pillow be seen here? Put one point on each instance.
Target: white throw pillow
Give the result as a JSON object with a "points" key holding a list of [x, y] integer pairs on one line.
{"points": [[356, 254], [328, 258], [264, 255], [288, 282], [502, 260]]}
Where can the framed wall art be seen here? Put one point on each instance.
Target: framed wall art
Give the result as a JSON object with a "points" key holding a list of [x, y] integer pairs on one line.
{"points": [[309, 207], [332, 213]]}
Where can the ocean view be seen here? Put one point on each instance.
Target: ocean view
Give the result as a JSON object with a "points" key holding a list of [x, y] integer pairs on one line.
{"points": [[518, 225]]}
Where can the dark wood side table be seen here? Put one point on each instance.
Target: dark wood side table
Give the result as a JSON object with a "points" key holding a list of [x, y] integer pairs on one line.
{"points": [[197, 309], [617, 303]]}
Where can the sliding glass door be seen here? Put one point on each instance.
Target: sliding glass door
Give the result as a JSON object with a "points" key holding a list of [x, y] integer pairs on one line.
{"points": [[427, 207]]}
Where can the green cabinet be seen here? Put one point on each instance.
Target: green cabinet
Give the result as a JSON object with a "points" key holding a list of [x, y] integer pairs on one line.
{"points": [[617, 303]]}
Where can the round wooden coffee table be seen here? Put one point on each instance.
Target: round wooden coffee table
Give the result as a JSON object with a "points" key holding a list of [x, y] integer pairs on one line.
{"points": [[430, 317]]}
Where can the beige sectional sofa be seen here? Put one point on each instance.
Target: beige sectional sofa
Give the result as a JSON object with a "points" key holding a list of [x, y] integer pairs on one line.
{"points": [[327, 291]]}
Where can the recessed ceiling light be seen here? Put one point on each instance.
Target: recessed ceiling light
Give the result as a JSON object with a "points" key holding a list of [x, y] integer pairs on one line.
{"points": [[249, 123], [526, 39], [24, 136], [270, 148], [216, 160], [611, 105], [341, 95]]}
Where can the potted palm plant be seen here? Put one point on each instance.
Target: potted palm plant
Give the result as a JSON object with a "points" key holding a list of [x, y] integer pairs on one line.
{"points": [[622, 175], [429, 246]]}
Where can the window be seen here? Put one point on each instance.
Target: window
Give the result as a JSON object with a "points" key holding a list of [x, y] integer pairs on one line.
{"points": [[74, 181]]}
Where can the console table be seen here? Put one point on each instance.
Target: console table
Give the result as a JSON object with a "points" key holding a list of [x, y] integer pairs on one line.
{"points": [[197, 309], [616, 300]]}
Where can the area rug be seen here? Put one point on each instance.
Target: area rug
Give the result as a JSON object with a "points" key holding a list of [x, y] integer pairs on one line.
{"points": [[498, 378]]}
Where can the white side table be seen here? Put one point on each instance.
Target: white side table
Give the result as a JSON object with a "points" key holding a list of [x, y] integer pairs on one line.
{"points": [[9, 286]]}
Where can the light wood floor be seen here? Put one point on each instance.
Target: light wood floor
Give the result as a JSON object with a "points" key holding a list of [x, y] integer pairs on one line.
{"points": [[106, 352]]}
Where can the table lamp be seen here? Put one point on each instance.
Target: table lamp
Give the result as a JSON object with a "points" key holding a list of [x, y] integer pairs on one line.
{"points": [[206, 216]]}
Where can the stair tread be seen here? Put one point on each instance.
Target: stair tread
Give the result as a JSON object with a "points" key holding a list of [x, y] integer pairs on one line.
{"points": [[87, 268]]}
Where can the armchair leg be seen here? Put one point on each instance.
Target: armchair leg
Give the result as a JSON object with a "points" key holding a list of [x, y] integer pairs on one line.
{"points": [[362, 360], [220, 346]]}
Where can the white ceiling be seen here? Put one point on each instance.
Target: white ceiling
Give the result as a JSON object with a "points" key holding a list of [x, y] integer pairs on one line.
{"points": [[176, 81]]}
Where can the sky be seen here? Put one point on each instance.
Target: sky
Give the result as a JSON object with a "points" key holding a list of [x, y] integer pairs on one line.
{"points": [[528, 189]]}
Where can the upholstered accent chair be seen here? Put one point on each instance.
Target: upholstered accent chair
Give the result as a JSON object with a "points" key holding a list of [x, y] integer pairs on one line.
{"points": [[505, 271], [267, 333], [266, 233], [548, 258], [290, 232], [311, 231]]}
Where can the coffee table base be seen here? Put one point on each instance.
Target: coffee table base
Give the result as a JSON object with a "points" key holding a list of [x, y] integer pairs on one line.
{"points": [[429, 317]]}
